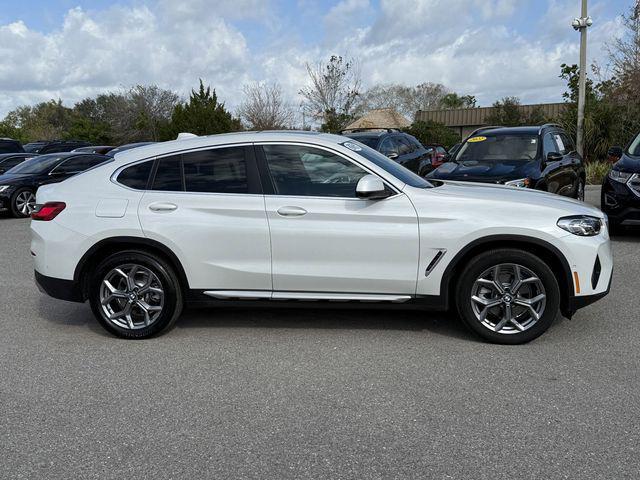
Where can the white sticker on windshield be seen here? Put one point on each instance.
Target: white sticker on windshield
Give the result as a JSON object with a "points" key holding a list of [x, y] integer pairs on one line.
{"points": [[352, 146], [559, 142]]}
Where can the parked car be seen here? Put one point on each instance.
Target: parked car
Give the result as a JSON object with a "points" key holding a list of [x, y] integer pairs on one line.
{"points": [[19, 184], [290, 217], [10, 160], [400, 147], [101, 149], [620, 197], [541, 158], [128, 146], [54, 146], [9, 145]]}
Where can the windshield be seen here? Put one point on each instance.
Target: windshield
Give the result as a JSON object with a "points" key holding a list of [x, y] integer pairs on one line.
{"points": [[368, 141], [395, 169], [33, 147], [36, 165], [499, 148], [634, 148]]}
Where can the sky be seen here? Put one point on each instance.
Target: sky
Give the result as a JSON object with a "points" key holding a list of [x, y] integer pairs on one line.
{"points": [[488, 48]]}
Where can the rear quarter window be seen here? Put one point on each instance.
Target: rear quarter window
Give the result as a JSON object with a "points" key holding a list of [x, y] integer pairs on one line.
{"points": [[136, 176]]}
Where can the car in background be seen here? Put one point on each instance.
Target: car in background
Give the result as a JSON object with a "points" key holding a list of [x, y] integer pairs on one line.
{"points": [[400, 147], [541, 158], [10, 160], [620, 197], [54, 146], [101, 149], [125, 147], [9, 145], [18, 186]]}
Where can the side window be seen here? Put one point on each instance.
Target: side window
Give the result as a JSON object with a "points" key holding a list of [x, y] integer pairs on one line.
{"points": [[307, 171], [403, 145], [220, 170], [168, 176], [441, 150], [136, 176], [567, 142], [78, 164], [562, 147], [388, 146], [11, 162], [416, 143], [548, 145]]}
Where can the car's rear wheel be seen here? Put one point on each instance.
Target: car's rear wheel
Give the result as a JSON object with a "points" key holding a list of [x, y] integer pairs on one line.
{"points": [[23, 202], [508, 296], [135, 295]]}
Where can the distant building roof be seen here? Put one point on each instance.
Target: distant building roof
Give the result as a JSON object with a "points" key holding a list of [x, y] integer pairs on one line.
{"points": [[467, 117], [382, 118]]}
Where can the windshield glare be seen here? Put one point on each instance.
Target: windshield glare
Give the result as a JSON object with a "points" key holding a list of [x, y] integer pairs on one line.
{"points": [[36, 165], [634, 148], [499, 148], [395, 169]]}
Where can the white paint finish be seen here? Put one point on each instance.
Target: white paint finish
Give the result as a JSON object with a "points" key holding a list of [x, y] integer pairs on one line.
{"points": [[112, 207], [222, 240], [344, 245]]}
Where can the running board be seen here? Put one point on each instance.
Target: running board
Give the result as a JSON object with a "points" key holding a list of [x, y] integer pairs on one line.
{"points": [[305, 296]]}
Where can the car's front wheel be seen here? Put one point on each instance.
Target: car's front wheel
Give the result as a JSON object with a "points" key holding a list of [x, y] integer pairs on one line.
{"points": [[23, 202], [135, 295], [507, 296]]}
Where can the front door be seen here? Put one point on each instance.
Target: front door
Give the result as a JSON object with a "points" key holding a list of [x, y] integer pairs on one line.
{"points": [[324, 238], [207, 207]]}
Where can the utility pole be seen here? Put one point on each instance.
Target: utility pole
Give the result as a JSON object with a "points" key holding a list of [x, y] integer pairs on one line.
{"points": [[581, 24]]}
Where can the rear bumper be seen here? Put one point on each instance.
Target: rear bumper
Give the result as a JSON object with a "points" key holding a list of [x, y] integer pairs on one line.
{"points": [[61, 289]]}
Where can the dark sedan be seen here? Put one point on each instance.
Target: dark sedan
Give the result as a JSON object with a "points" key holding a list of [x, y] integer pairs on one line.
{"points": [[10, 160], [18, 185], [127, 146], [621, 188], [101, 149]]}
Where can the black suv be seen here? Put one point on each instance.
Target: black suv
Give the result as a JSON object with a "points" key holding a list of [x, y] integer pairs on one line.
{"points": [[543, 158], [54, 146], [400, 147], [9, 145], [621, 188]]}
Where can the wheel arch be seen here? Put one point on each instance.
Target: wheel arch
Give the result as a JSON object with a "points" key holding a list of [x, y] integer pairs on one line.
{"points": [[108, 246], [541, 248]]}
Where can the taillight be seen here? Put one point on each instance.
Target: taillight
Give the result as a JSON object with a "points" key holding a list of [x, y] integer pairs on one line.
{"points": [[47, 211]]}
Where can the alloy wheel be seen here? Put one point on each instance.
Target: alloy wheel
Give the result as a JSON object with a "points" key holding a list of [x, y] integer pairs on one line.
{"points": [[25, 202], [131, 297], [508, 298]]}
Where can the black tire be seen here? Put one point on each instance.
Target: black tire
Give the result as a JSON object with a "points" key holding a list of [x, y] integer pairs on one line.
{"points": [[484, 261], [170, 284], [15, 210]]}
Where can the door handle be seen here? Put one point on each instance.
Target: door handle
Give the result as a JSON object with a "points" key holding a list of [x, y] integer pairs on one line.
{"points": [[291, 211], [163, 207]]}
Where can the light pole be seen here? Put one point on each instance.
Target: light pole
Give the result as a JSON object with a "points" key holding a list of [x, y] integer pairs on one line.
{"points": [[581, 24]]}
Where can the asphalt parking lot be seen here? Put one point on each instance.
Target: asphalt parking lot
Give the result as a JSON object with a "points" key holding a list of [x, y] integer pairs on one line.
{"points": [[315, 394]]}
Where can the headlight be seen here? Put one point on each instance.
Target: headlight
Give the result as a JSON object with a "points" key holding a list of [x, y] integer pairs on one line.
{"points": [[618, 176], [4, 188], [581, 225], [522, 183]]}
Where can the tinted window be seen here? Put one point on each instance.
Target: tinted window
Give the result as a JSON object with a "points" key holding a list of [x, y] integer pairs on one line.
{"points": [[368, 141], [403, 145], [169, 175], [78, 164], [395, 169], [37, 165], [136, 176], [388, 146], [221, 170], [10, 162], [634, 148], [560, 142], [548, 145], [10, 147], [567, 142], [298, 170], [415, 142], [499, 148], [441, 150]]}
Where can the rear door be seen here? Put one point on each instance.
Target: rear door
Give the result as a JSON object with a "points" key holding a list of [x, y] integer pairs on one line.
{"points": [[325, 239], [207, 207]]}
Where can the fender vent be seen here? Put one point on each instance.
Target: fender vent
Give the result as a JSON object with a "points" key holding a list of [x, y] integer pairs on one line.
{"points": [[595, 276], [434, 262]]}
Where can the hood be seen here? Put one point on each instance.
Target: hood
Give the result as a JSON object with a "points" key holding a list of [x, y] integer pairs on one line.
{"points": [[513, 200], [628, 164], [486, 172]]}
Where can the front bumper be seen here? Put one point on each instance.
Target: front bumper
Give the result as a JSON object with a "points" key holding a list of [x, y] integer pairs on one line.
{"points": [[621, 205], [5, 202], [68, 290]]}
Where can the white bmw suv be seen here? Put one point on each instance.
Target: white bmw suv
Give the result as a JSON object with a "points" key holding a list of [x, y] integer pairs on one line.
{"points": [[299, 217]]}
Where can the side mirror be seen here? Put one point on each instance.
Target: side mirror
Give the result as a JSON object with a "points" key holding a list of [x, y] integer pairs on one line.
{"points": [[554, 157], [392, 155], [371, 187], [615, 153]]}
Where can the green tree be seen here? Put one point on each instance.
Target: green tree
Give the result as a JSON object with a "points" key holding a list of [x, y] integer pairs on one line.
{"points": [[201, 115], [508, 112], [433, 132], [454, 101]]}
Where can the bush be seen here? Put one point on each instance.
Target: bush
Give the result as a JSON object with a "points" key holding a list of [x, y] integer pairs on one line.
{"points": [[433, 132], [596, 171]]}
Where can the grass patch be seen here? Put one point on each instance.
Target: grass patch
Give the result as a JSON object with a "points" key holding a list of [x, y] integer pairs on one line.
{"points": [[596, 171]]}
